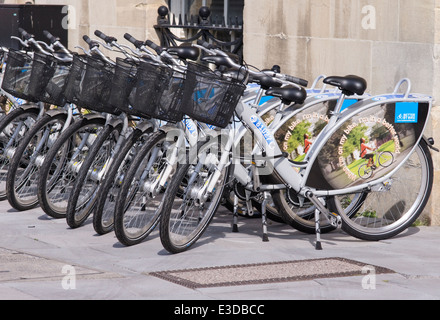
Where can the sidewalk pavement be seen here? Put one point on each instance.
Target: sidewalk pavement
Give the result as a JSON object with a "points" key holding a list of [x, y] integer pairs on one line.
{"points": [[43, 259]]}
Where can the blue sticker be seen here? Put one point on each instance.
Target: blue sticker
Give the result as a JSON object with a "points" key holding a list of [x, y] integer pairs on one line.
{"points": [[265, 99], [264, 131], [347, 103], [407, 112]]}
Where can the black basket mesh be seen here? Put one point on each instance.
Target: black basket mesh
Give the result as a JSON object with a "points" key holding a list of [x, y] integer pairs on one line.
{"points": [[54, 92], [158, 93], [43, 69], [17, 75], [89, 84], [123, 83], [209, 98], [77, 70]]}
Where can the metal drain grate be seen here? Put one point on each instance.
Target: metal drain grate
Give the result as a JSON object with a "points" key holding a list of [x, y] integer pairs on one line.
{"points": [[264, 273]]}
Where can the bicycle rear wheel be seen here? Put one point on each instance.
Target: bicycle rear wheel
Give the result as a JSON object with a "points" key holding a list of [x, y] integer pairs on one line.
{"points": [[298, 213], [61, 165], [391, 208]]}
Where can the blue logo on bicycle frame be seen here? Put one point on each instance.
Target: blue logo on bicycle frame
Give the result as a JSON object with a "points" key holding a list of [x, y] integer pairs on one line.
{"points": [[407, 112], [264, 131]]}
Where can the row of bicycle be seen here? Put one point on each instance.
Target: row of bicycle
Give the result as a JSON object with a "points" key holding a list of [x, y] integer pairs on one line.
{"points": [[155, 138]]}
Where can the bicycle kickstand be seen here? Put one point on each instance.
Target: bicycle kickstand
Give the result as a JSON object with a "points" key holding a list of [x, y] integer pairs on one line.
{"points": [[264, 216], [235, 221], [318, 245], [320, 207]]}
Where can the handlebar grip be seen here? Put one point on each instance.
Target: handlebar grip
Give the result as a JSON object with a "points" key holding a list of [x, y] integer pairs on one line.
{"points": [[301, 82], [90, 42], [137, 43], [154, 46], [24, 34], [104, 37], [49, 36]]}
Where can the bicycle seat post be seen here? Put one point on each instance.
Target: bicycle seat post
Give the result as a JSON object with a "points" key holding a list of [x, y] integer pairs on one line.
{"points": [[340, 103]]}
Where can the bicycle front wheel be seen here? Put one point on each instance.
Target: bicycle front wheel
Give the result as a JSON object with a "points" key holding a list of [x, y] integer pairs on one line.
{"points": [[187, 209], [83, 196], [23, 174], [61, 165], [391, 208], [386, 159], [104, 212], [13, 127], [139, 201]]}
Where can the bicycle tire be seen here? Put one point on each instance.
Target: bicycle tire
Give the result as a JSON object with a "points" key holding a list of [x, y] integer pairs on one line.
{"points": [[22, 178], [173, 238], [394, 207], [384, 159], [104, 211], [83, 196], [365, 172], [135, 219], [58, 172], [13, 127]]}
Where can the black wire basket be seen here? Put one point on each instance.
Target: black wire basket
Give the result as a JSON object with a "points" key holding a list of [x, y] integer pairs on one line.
{"points": [[77, 70], [43, 69], [17, 74], [55, 89], [123, 84], [158, 92], [89, 84], [209, 98]]}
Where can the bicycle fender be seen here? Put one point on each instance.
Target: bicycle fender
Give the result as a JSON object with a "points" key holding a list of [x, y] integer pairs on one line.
{"points": [[169, 128], [54, 112], [145, 127], [115, 122], [29, 106], [90, 116]]}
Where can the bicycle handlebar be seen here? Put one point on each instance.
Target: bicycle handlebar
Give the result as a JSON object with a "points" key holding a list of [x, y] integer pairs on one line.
{"points": [[273, 73], [159, 50], [49, 36], [55, 41], [24, 34], [137, 43], [92, 44], [104, 37]]}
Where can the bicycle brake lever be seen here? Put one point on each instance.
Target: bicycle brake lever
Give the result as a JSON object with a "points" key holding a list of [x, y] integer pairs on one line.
{"points": [[87, 52], [24, 44]]}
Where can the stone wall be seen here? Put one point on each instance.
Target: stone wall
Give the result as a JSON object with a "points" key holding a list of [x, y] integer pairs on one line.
{"points": [[339, 37], [382, 41]]}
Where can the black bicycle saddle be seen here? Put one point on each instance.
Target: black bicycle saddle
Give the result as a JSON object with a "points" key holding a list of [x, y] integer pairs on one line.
{"points": [[191, 53], [349, 85], [289, 94]]}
